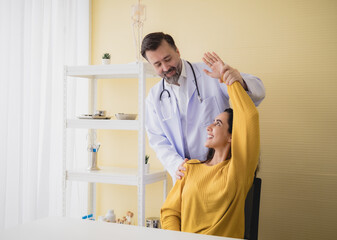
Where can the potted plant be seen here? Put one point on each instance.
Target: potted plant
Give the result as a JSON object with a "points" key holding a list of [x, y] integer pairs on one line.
{"points": [[106, 58], [147, 164]]}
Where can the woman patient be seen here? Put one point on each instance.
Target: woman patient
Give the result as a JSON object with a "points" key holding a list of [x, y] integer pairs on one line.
{"points": [[210, 198]]}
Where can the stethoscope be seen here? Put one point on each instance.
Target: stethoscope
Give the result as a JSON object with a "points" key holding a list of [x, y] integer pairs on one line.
{"points": [[196, 85]]}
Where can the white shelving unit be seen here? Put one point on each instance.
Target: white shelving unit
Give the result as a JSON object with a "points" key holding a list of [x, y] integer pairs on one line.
{"points": [[112, 175]]}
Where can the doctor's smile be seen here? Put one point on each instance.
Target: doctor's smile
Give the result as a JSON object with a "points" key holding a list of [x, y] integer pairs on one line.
{"points": [[169, 72]]}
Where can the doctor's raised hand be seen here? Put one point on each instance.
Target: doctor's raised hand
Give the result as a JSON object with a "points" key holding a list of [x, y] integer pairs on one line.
{"points": [[222, 71]]}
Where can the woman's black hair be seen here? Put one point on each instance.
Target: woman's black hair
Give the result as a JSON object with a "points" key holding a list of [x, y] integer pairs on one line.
{"points": [[211, 151], [230, 119], [153, 40]]}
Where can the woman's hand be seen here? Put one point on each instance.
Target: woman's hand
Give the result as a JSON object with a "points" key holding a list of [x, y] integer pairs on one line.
{"points": [[179, 172], [222, 71], [215, 63], [232, 75]]}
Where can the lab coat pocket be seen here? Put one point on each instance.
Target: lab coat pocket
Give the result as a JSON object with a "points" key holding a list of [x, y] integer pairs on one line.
{"points": [[166, 108], [209, 110]]}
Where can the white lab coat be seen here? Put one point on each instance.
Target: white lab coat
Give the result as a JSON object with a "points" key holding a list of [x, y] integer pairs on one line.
{"points": [[163, 123]]}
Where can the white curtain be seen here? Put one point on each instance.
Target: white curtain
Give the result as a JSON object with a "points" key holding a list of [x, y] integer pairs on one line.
{"points": [[37, 38]]}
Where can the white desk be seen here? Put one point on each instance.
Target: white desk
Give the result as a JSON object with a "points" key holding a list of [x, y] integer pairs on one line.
{"points": [[67, 228]]}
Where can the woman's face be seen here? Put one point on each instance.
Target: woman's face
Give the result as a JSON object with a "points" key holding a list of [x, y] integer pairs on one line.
{"points": [[217, 132]]}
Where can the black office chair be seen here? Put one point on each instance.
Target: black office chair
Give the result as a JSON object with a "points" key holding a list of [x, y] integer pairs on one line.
{"points": [[252, 209]]}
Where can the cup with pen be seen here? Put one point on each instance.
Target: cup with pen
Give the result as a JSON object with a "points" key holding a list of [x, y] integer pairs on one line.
{"points": [[93, 150]]}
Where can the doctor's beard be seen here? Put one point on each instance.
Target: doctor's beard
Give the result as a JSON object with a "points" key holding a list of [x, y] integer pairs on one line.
{"points": [[173, 79]]}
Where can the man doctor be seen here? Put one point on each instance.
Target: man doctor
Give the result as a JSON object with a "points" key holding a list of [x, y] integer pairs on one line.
{"points": [[185, 101]]}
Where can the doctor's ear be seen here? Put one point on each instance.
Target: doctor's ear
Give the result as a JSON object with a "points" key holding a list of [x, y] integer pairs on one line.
{"points": [[177, 50], [230, 139]]}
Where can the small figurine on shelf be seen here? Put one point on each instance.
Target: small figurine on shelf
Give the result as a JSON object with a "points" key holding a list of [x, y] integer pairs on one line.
{"points": [[106, 58], [110, 216], [120, 221], [129, 218]]}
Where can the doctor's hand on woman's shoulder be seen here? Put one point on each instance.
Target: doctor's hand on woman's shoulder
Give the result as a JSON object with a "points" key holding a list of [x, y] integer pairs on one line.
{"points": [[222, 71], [181, 168]]}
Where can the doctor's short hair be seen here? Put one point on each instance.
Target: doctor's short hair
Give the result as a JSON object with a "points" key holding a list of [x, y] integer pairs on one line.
{"points": [[153, 40]]}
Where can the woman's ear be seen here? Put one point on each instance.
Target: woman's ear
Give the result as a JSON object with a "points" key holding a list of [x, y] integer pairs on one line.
{"points": [[230, 139]]}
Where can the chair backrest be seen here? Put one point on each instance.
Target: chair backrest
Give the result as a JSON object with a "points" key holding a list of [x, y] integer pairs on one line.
{"points": [[252, 210]]}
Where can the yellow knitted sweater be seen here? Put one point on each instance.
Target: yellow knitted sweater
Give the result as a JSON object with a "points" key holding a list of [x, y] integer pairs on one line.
{"points": [[211, 199]]}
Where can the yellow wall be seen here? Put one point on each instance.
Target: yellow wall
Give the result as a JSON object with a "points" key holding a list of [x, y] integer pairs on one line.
{"points": [[291, 45]]}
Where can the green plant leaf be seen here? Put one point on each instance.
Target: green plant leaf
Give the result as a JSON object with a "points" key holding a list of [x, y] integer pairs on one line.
{"points": [[147, 158], [106, 56]]}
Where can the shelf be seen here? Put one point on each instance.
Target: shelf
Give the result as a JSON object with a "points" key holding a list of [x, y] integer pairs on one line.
{"points": [[103, 124], [110, 175], [115, 175], [130, 70]]}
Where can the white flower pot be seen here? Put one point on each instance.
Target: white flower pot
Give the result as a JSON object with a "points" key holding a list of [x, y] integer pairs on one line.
{"points": [[147, 168], [105, 61]]}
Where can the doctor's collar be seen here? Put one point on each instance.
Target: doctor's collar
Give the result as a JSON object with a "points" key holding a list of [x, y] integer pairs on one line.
{"points": [[183, 69]]}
